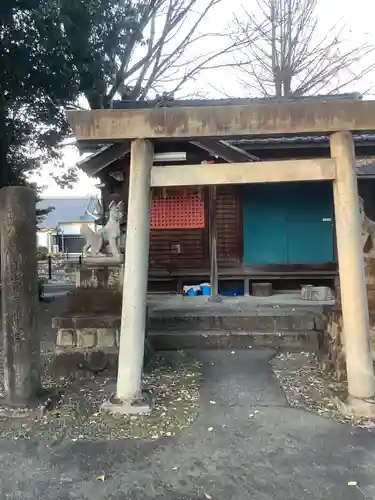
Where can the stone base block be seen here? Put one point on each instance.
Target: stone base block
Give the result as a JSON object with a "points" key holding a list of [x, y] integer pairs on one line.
{"points": [[356, 407], [105, 260], [261, 289], [119, 407], [87, 337], [66, 337], [317, 293]]}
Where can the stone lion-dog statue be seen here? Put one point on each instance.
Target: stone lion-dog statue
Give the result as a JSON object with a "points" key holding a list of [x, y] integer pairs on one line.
{"points": [[367, 227], [106, 240]]}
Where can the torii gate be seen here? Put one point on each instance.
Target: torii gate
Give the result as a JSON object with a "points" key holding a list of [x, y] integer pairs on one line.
{"points": [[338, 118]]}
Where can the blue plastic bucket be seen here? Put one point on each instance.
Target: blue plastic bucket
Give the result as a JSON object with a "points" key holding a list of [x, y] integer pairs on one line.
{"points": [[206, 290], [191, 292]]}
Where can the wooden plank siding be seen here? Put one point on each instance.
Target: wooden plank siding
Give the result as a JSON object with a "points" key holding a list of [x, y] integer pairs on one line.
{"points": [[229, 226], [175, 249]]}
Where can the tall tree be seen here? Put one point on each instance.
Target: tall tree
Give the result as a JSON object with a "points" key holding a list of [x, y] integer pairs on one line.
{"points": [[292, 56], [36, 83], [67, 53], [135, 49]]}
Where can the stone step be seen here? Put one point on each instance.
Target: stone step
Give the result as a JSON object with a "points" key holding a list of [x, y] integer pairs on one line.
{"points": [[198, 339], [274, 322]]}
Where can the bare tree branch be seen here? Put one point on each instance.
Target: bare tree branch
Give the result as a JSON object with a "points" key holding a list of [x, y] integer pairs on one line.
{"points": [[286, 55], [171, 53]]}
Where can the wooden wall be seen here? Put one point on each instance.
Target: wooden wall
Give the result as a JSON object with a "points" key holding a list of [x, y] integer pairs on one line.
{"points": [[178, 249], [229, 226]]}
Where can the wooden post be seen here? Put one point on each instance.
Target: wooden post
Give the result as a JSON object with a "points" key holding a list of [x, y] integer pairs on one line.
{"points": [[351, 266], [19, 295], [134, 305], [214, 278]]}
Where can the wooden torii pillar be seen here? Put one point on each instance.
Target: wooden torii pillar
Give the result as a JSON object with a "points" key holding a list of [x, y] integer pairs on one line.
{"points": [[355, 313]]}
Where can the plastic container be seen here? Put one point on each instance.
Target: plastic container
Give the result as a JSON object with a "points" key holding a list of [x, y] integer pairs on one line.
{"points": [[191, 292], [206, 289]]}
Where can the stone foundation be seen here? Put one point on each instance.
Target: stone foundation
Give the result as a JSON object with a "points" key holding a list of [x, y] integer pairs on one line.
{"points": [[332, 343], [87, 338], [91, 349], [88, 331]]}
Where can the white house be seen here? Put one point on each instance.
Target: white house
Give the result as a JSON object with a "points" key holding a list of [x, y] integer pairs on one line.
{"points": [[60, 229]]}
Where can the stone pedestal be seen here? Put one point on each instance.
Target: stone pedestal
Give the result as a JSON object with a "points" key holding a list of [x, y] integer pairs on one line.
{"points": [[88, 329], [100, 276]]}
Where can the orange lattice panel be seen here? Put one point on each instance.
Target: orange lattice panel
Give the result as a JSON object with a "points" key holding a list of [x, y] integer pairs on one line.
{"points": [[176, 212]]}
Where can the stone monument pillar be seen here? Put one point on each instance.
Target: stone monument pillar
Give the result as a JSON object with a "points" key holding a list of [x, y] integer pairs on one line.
{"points": [[19, 295]]}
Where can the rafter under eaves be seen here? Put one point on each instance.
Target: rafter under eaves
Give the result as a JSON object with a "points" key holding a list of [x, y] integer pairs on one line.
{"points": [[225, 150]]}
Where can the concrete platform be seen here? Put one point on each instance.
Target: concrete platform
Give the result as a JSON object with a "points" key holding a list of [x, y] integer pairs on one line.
{"points": [[280, 321], [176, 322], [162, 304]]}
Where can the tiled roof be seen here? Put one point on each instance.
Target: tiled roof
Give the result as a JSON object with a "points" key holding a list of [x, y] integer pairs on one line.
{"points": [[67, 210], [366, 167], [298, 139], [233, 101]]}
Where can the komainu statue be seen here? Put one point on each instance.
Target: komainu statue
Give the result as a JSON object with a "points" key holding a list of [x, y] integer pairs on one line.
{"points": [[106, 241], [367, 228]]}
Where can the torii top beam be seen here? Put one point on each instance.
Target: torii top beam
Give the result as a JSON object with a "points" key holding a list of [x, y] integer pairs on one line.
{"points": [[227, 122]]}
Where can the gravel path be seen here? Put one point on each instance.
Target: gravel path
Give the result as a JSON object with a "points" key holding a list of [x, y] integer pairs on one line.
{"points": [[247, 443]]}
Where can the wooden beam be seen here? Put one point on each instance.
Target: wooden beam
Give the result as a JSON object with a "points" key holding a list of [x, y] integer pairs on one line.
{"points": [[243, 173], [214, 275], [97, 161], [224, 150], [224, 121]]}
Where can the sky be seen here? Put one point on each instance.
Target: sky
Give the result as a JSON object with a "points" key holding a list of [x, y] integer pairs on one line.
{"points": [[358, 17]]}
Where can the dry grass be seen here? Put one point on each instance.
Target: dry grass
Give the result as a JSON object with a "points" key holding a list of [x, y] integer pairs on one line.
{"points": [[307, 386], [174, 382]]}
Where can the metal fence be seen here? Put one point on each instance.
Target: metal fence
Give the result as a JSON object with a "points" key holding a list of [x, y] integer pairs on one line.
{"points": [[61, 268]]}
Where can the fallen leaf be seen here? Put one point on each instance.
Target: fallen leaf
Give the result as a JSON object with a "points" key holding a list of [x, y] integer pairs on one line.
{"points": [[101, 478]]}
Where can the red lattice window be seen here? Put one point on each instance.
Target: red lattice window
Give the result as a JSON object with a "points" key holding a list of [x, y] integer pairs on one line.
{"points": [[176, 211]]}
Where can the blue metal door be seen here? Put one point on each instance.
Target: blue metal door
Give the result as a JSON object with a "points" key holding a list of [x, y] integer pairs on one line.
{"points": [[288, 223], [264, 221], [310, 223]]}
